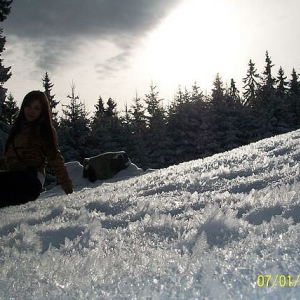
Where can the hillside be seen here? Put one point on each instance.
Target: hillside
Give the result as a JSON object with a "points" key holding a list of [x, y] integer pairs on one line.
{"points": [[210, 228]]}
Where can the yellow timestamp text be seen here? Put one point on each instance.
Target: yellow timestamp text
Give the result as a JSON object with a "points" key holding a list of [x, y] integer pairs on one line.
{"points": [[281, 280]]}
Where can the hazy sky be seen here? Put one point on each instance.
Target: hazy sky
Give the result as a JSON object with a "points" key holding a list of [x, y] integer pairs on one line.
{"points": [[115, 48]]}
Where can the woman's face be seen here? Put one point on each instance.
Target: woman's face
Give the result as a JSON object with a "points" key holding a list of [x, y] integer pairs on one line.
{"points": [[33, 110]]}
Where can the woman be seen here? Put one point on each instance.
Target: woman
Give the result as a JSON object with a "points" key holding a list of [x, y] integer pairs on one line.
{"points": [[31, 144]]}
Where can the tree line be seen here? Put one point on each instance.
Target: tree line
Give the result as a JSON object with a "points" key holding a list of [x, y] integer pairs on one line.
{"points": [[194, 125]]}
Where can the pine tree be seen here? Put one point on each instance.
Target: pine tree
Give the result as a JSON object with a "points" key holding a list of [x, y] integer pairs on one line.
{"points": [[196, 94], [282, 84], [138, 130], [48, 85], [251, 126], [189, 126], [107, 134], [281, 102], [10, 110], [179, 128], [5, 7], [5, 72], [126, 132], [218, 91], [218, 113], [138, 116], [224, 113], [202, 113], [74, 129], [97, 128], [113, 139], [294, 84], [156, 137], [251, 86], [153, 102], [235, 115], [267, 86], [294, 100], [267, 101], [110, 111], [268, 79], [233, 93], [99, 112]]}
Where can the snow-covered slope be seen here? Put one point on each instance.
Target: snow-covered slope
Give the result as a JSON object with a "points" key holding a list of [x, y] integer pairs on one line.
{"points": [[223, 227]]}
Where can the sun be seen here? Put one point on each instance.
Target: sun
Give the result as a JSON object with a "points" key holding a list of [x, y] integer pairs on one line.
{"points": [[194, 43]]}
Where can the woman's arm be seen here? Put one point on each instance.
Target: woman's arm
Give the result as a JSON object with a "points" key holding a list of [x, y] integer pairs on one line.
{"points": [[57, 164]]}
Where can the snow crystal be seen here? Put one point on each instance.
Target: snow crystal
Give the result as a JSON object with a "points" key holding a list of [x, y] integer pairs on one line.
{"points": [[212, 228]]}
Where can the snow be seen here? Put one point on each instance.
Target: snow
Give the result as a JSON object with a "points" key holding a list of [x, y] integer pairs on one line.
{"points": [[206, 229]]}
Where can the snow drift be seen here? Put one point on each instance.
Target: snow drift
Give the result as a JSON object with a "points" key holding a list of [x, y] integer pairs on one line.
{"points": [[223, 227]]}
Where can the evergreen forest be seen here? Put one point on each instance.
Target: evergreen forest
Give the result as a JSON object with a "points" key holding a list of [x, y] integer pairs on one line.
{"points": [[194, 125]]}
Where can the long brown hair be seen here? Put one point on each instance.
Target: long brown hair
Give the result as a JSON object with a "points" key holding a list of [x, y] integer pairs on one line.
{"points": [[44, 121]]}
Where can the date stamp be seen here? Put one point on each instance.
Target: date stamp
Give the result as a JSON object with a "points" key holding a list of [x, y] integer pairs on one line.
{"points": [[280, 280]]}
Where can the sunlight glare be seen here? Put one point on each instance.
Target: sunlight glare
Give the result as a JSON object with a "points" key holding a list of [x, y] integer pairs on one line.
{"points": [[194, 43]]}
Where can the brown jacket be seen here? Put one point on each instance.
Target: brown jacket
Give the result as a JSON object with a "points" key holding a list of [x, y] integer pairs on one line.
{"points": [[30, 149]]}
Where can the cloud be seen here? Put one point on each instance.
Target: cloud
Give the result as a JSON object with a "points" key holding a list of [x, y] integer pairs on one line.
{"points": [[35, 18], [55, 28], [111, 65]]}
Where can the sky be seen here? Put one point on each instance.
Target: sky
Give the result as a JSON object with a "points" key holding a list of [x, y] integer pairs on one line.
{"points": [[118, 48]]}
